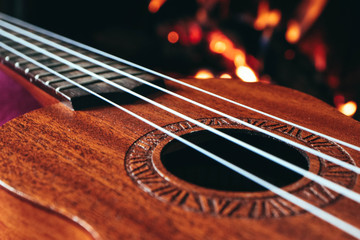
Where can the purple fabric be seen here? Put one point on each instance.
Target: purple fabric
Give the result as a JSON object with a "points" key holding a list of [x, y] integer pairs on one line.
{"points": [[14, 99]]}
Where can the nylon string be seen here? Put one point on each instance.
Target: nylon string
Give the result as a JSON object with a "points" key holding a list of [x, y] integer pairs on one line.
{"points": [[290, 142], [344, 226], [75, 43], [336, 187]]}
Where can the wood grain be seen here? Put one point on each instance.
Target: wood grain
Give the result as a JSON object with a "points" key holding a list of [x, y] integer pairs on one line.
{"points": [[72, 162]]}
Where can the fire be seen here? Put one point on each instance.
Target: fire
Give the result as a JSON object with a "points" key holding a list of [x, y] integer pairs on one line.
{"points": [[348, 108], [155, 5], [173, 37], [266, 18], [308, 11], [219, 47], [306, 14], [240, 58], [219, 43], [204, 74], [246, 74], [225, 75], [293, 32]]}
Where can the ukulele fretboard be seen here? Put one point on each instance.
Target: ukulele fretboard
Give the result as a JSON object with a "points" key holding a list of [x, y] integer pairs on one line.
{"points": [[59, 86]]}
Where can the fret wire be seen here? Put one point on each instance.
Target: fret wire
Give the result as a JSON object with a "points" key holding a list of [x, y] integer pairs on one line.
{"points": [[349, 166], [279, 161], [341, 162], [325, 156], [93, 80], [64, 40], [74, 77], [337, 222], [52, 65], [67, 70]]}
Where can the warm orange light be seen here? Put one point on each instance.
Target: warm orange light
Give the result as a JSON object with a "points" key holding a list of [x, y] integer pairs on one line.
{"points": [[293, 32], [308, 11], [265, 17], [219, 47], [273, 18], [219, 43], [246, 74], [155, 5], [225, 75], [263, 9], [240, 58], [348, 108], [204, 74], [173, 37]]}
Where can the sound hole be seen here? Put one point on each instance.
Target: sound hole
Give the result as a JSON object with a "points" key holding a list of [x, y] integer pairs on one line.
{"points": [[192, 166]]}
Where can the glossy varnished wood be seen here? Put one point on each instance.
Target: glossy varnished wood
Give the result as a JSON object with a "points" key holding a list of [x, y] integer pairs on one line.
{"points": [[72, 162]]}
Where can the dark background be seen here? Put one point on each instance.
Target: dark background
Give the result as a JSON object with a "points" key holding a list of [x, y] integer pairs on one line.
{"points": [[129, 30]]}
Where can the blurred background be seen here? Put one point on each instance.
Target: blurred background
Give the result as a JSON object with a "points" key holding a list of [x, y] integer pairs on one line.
{"points": [[308, 45]]}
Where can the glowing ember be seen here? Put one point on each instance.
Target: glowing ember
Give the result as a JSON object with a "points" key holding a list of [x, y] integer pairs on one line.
{"points": [[225, 75], [293, 32], [204, 74], [246, 74], [219, 43], [308, 11], [266, 18], [173, 37], [240, 58], [348, 108], [155, 5], [273, 18], [219, 47]]}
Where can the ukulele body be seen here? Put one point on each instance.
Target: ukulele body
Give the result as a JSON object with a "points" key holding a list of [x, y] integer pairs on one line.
{"points": [[97, 173]]}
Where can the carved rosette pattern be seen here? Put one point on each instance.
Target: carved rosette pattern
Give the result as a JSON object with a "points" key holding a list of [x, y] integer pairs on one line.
{"points": [[141, 165]]}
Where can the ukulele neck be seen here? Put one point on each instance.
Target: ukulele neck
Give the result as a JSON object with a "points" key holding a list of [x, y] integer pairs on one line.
{"points": [[50, 69]]}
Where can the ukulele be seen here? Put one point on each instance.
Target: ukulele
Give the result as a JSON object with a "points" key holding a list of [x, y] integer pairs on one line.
{"points": [[123, 152]]}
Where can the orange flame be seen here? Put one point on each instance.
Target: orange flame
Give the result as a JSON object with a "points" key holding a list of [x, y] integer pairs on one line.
{"points": [[293, 32], [204, 74], [219, 43], [308, 12], [155, 5], [225, 75], [246, 74], [173, 37], [265, 17], [349, 108], [306, 15]]}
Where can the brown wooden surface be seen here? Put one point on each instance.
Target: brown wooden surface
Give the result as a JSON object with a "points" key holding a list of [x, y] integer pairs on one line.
{"points": [[73, 163], [43, 98]]}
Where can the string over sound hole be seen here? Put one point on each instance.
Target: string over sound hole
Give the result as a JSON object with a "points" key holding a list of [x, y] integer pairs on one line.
{"points": [[192, 166]]}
